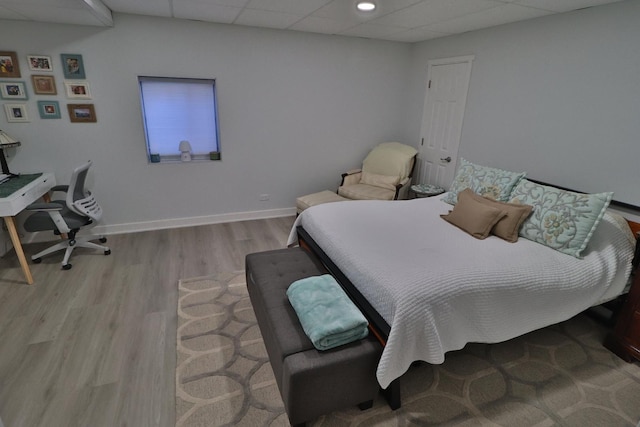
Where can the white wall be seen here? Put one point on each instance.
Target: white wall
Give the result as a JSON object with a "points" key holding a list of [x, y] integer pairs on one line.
{"points": [[295, 109], [558, 97]]}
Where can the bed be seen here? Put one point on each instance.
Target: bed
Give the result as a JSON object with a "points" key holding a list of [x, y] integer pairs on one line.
{"points": [[429, 287]]}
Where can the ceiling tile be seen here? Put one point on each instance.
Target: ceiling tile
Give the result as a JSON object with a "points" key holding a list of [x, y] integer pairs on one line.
{"points": [[346, 10], [294, 7], [487, 18], [140, 7], [434, 11], [264, 18], [564, 5], [202, 11], [414, 20], [9, 14], [62, 15]]}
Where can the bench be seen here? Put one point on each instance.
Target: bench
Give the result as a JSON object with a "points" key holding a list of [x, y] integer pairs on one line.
{"points": [[312, 383]]}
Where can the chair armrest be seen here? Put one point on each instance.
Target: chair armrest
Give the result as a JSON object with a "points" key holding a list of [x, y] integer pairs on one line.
{"points": [[45, 207], [402, 189], [351, 177]]}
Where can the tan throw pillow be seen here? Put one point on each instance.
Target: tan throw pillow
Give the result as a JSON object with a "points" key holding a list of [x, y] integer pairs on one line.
{"points": [[508, 227], [473, 216], [383, 181]]}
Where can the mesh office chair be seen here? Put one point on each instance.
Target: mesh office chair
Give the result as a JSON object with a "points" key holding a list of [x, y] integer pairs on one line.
{"points": [[79, 210]]}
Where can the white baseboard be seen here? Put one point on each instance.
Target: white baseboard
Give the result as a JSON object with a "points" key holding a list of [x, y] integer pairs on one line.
{"points": [[134, 227]]}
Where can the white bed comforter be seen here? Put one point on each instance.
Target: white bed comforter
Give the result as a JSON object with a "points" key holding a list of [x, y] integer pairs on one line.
{"points": [[440, 288]]}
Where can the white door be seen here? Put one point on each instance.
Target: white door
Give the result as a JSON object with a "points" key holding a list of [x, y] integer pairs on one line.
{"points": [[446, 96]]}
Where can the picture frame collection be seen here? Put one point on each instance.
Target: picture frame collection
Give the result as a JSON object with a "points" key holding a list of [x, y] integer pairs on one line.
{"points": [[43, 83]]}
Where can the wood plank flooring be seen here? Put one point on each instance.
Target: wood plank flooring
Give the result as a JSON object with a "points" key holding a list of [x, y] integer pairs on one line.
{"points": [[95, 346]]}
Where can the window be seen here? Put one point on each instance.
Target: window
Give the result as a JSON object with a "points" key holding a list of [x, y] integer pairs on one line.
{"points": [[175, 110]]}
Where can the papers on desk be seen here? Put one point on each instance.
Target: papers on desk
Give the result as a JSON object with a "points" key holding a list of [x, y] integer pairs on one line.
{"points": [[4, 177]]}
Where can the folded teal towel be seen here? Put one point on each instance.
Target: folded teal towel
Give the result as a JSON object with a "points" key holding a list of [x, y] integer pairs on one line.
{"points": [[328, 316]]}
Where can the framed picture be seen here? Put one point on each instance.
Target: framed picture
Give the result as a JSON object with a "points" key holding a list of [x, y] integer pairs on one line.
{"points": [[44, 85], [77, 90], [49, 109], [73, 66], [82, 113], [13, 90], [9, 66], [16, 112], [39, 63]]}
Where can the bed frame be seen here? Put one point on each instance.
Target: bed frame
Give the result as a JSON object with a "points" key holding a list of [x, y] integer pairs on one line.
{"points": [[380, 328]]}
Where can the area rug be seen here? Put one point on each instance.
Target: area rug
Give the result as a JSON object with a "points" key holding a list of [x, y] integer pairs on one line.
{"points": [[557, 376]]}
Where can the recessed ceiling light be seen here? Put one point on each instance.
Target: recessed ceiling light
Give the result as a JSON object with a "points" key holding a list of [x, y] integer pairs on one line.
{"points": [[366, 6]]}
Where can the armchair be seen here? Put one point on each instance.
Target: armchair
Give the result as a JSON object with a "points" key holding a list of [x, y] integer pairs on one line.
{"points": [[66, 217], [385, 174]]}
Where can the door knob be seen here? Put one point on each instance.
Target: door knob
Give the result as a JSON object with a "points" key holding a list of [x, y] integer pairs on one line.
{"points": [[446, 159]]}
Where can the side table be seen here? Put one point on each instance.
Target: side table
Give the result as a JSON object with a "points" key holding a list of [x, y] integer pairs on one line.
{"points": [[426, 190]]}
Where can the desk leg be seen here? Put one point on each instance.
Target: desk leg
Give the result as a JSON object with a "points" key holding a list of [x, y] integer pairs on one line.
{"points": [[15, 239]]}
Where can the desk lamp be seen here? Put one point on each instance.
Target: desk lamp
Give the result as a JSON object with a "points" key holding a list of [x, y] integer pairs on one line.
{"points": [[6, 141]]}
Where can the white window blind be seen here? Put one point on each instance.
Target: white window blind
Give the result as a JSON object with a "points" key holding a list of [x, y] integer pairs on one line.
{"points": [[175, 110]]}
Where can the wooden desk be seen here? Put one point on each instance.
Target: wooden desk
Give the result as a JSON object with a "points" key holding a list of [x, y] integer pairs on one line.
{"points": [[14, 203]]}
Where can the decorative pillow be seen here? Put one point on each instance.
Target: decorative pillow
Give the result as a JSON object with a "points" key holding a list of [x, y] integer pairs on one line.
{"points": [[562, 220], [507, 228], [473, 217], [493, 183], [383, 181]]}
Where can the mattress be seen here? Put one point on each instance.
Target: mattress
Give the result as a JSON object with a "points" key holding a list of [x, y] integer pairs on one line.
{"points": [[439, 288]]}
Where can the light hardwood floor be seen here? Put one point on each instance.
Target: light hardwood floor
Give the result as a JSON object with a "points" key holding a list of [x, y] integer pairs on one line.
{"points": [[95, 346]]}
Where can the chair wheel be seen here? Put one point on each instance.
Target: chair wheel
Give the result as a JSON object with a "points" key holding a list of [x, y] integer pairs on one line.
{"points": [[37, 260], [67, 267], [107, 252], [103, 240]]}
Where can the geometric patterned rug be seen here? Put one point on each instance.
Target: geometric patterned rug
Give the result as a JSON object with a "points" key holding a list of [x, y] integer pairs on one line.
{"points": [[558, 376]]}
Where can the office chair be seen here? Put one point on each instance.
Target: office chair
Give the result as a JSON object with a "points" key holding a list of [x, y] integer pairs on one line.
{"points": [[79, 210]]}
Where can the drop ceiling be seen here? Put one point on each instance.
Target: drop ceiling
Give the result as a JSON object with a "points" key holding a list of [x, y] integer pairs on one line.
{"points": [[397, 20]]}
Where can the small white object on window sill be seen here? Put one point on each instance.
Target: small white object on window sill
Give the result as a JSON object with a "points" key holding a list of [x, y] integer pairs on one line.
{"points": [[185, 151]]}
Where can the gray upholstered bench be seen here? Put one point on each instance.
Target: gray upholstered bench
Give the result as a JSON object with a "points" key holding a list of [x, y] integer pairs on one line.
{"points": [[312, 383]]}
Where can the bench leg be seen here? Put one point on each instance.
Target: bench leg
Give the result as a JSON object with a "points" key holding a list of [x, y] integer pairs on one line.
{"points": [[392, 394]]}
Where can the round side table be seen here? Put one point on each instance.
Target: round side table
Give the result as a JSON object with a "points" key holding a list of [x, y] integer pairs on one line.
{"points": [[426, 190]]}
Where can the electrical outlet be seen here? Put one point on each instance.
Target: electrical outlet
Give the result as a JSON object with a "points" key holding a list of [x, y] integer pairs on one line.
{"points": [[264, 197]]}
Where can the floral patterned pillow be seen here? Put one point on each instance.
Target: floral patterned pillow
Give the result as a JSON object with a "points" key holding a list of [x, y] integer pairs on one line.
{"points": [[562, 220], [488, 182]]}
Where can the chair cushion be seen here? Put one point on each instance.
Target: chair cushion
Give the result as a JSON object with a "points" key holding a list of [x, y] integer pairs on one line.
{"points": [[366, 192], [384, 181]]}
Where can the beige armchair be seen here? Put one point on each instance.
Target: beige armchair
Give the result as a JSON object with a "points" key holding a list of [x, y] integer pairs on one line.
{"points": [[385, 175]]}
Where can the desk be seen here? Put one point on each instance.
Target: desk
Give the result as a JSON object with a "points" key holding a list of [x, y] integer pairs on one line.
{"points": [[11, 205]]}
